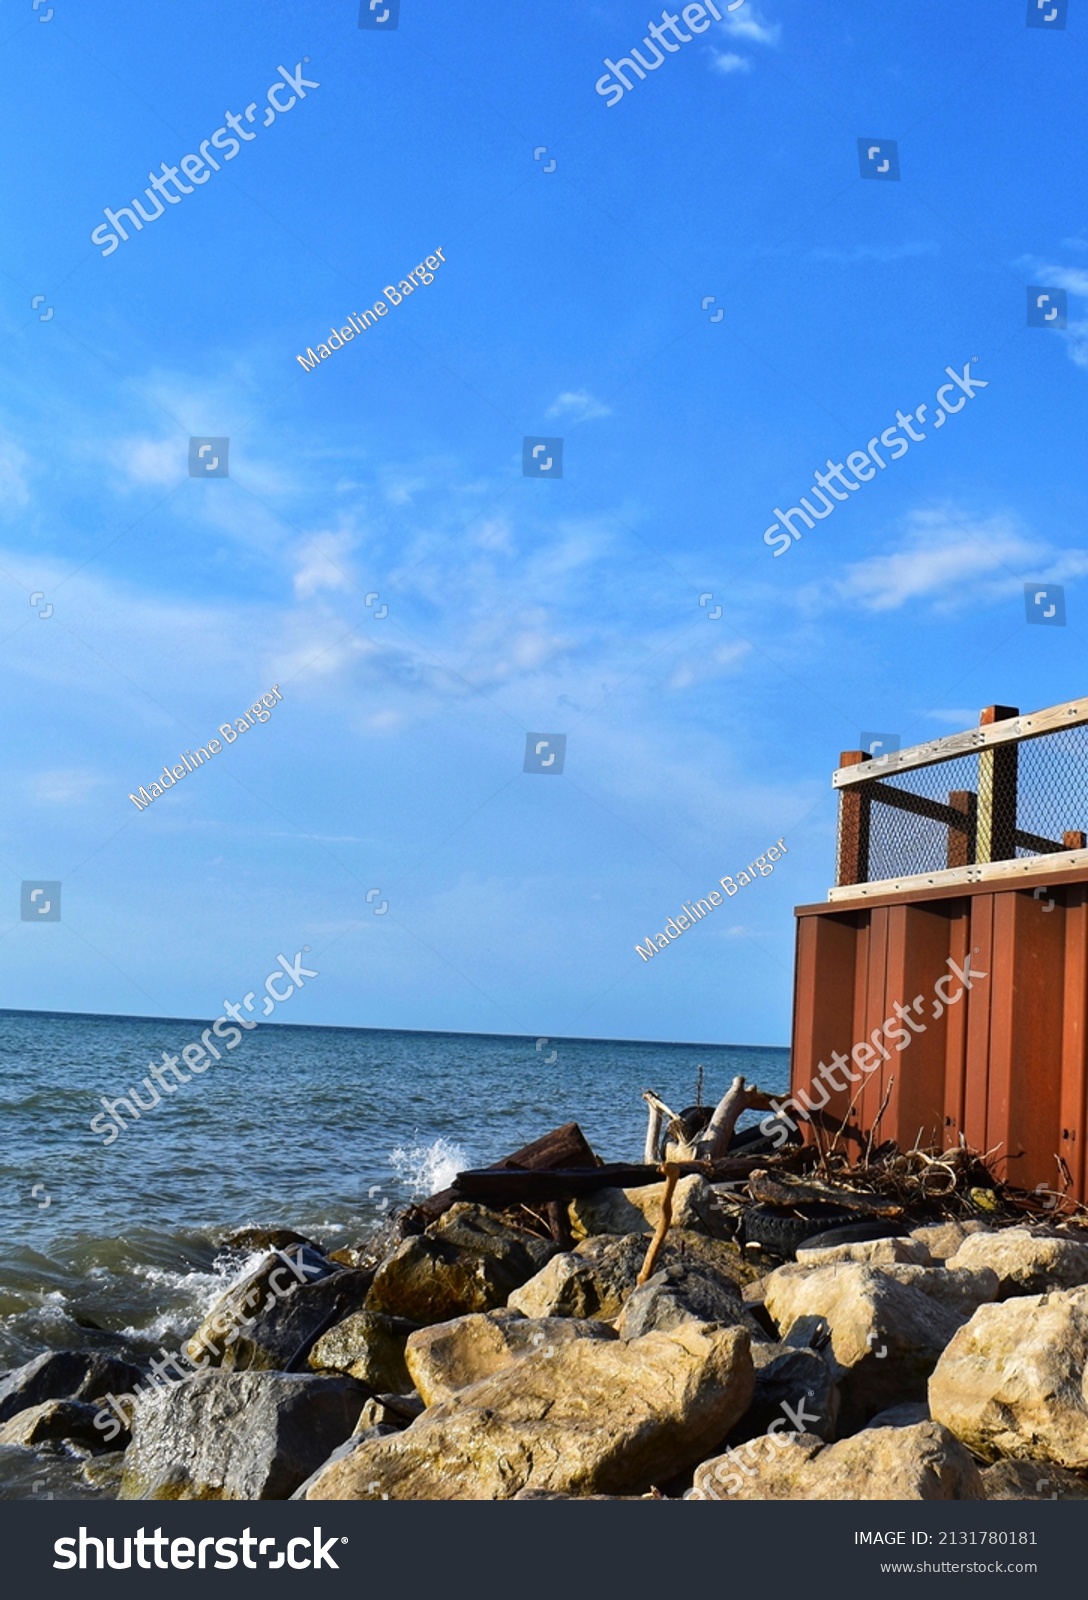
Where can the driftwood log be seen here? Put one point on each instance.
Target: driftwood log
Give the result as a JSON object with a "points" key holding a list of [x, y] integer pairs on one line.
{"points": [[712, 1141]]}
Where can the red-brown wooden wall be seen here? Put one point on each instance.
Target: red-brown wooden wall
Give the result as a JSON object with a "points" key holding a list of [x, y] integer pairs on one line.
{"points": [[1006, 1066]]}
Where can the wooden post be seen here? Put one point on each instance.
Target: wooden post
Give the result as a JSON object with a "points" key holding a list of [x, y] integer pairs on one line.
{"points": [[962, 841], [853, 863], [997, 779]]}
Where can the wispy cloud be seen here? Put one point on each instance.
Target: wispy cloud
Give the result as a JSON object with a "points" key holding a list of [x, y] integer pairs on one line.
{"points": [[875, 252], [952, 559], [579, 405], [727, 61], [747, 23]]}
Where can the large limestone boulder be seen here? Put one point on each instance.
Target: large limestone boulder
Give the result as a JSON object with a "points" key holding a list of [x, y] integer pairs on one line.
{"points": [[1025, 1262], [367, 1346], [236, 1436], [1032, 1480], [943, 1239], [960, 1290], [885, 1337], [269, 1320], [593, 1280], [873, 1252], [444, 1359], [923, 1462], [1012, 1382], [470, 1260], [65, 1375], [599, 1416], [621, 1211]]}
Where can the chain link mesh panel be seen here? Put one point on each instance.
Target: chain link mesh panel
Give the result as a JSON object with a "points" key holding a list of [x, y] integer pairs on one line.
{"points": [[1013, 800]]}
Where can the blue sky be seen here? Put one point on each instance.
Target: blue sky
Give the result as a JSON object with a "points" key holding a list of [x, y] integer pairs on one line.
{"points": [[570, 305]]}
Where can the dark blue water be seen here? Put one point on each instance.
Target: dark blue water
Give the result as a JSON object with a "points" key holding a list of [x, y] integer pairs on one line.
{"points": [[316, 1129]]}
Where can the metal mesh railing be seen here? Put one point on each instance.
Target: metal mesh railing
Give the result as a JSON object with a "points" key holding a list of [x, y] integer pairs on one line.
{"points": [[1022, 798]]}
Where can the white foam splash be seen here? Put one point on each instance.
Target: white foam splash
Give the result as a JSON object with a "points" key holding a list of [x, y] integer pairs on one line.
{"points": [[426, 1168]]}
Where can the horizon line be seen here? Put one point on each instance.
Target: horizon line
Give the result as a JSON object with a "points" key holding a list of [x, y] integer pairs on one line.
{"points": [[343, 1027]]}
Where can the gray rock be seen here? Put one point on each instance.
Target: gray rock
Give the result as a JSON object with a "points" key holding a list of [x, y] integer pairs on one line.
{"points": [[269, 1321], [478, 1230], [681, 1294], [623, 1211], [593, 1280], [873, 1252], [236, 1436], [907, 1415], [793, 1386], [600, 1274], [65, 1375], [369, 1346]]}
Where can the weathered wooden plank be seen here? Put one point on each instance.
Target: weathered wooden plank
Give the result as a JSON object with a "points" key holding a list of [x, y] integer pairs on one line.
{"points": [[1040, 869], [1070, 714]]}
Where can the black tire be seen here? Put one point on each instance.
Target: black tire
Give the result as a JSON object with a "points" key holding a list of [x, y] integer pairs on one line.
{"points": [[854, 1233], [781, 1232], [754, 1142]]}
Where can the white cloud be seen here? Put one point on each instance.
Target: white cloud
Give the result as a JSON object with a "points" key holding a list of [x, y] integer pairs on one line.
{"points": [[953, 718], [707, 665], [66, 786], [875, 252], [578, 404], [14, 462], [324, 563], [746, 23], [953, 559], [726, 61], [159, 462]]}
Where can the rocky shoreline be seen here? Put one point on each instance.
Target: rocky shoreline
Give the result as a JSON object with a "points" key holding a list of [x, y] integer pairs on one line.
{"points": [[625, 1342]]}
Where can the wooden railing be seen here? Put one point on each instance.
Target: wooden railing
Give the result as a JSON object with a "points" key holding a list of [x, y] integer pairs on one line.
{"points": [[982, 835]]}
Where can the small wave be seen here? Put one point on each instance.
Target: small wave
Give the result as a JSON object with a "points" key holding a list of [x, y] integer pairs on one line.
{"points": [[426, 1168]]}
